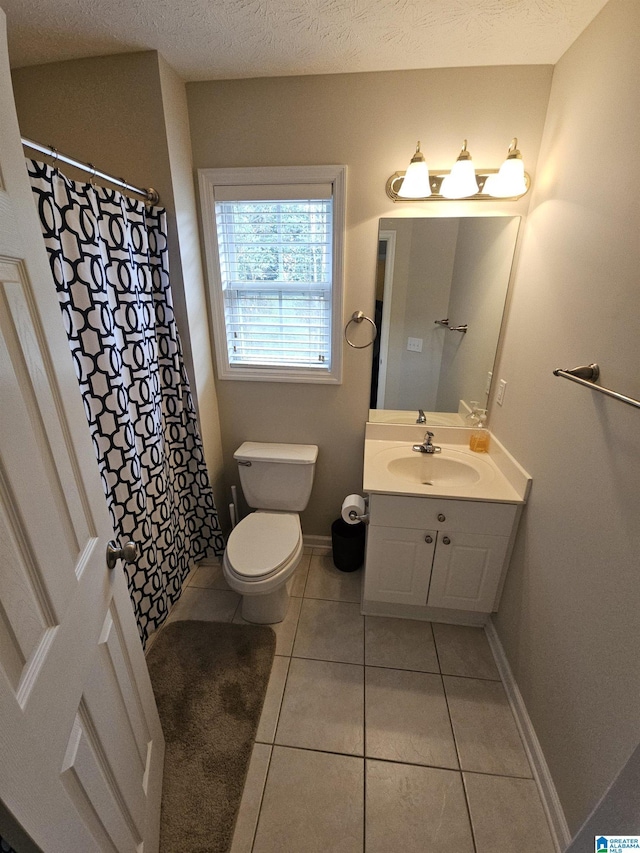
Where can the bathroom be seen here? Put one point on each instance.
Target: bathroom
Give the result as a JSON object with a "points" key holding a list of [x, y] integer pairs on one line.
{"points": [[568, 615]]}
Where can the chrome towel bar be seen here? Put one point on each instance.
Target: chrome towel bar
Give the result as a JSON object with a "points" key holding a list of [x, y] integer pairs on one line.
{"points": [[445, 323], [587, 375]]}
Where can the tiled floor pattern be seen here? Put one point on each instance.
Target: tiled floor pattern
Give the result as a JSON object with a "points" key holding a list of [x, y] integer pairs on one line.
{"points": [[377, 734]]}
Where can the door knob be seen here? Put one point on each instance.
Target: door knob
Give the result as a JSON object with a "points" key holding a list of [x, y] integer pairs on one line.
{"points": [[428, 539], [129, 553], [446, 540]]}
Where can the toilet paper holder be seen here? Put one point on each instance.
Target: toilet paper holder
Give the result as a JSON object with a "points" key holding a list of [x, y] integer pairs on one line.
{"points": [[353, 515], [355, 508]]}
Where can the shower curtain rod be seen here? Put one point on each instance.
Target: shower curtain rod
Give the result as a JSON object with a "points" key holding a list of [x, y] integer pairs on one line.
{"points": [[149, 195]]}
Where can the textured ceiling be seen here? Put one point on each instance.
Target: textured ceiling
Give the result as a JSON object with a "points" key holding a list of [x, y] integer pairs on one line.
{"points": [[215, 39]]}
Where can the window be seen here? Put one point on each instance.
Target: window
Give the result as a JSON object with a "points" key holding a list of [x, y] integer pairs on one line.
{"points": [[273, 239]]}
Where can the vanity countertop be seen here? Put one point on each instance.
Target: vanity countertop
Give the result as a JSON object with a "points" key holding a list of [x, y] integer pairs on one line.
{"points": [[392, 467]]}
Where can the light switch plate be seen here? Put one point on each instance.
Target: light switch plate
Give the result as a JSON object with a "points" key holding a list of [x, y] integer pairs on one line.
{"points": [[414, 344], [502, 388], [487, 387]]}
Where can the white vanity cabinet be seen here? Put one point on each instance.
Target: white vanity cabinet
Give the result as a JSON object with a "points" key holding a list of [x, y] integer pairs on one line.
{"points": [[426, 554]]}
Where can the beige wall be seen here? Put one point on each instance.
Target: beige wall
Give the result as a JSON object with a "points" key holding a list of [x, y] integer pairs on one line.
{"points": [[569, 618], [127, 114], [107, 110], [370, 122], [176, 119]]}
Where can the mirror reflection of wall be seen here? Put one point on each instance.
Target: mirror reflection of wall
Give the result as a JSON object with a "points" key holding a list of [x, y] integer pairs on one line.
{"points": [[429, 270]]}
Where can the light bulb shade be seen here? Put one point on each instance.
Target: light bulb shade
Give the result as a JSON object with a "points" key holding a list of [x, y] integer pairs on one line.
{"points": [[461, 182], [415, 183], [509, 181]]}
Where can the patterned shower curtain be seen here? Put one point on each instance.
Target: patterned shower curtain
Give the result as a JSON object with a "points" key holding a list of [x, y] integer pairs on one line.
{"points": [[108, 255]]}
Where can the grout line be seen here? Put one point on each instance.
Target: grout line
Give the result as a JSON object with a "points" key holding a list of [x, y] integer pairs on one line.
{"points": [[306, 577], [334, 600], [284, 689], [432, 672], [471, 677], [455, 743], [264, 788], [394, 761], [320, 751], [402, 669], [237, 610], [466, 800], [295, 633], [375, 758], [331, 660], [500, 775]]}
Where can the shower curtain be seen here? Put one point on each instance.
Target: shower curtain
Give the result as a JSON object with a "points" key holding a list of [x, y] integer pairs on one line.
{"points": [[108, 255]]}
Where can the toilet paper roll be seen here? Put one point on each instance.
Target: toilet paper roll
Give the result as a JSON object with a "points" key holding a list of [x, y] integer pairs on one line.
{"points": [[353, 503]]}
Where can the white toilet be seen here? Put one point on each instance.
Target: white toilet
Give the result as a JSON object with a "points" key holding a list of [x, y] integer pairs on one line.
{"points": [[265, 547]]}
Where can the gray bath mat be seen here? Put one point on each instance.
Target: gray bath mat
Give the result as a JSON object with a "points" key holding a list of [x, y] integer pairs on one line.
{"points": [[209, 680]]}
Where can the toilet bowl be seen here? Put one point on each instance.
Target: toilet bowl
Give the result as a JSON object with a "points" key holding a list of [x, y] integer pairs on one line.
{"points": [[262, 554], [265, 548]]}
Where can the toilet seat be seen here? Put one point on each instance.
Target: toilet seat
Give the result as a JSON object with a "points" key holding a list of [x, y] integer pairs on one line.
{"points": [[262, 545]]}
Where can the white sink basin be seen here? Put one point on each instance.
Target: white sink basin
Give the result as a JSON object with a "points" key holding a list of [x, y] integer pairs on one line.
{"points": [[449, 468], [392, 467], [433, 470]]}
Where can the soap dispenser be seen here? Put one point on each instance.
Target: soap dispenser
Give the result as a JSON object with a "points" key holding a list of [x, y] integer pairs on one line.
{"points": [[479, 440]]}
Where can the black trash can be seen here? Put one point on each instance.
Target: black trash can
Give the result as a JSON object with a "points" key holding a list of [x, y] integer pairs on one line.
{"points": [[347, 541]]}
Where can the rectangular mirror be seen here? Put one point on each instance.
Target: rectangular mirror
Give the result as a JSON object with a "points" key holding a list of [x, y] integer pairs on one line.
{"points": [[441, 287]]}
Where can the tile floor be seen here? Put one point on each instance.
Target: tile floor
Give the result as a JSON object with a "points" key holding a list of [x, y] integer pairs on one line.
{"points": [[377, 734]]}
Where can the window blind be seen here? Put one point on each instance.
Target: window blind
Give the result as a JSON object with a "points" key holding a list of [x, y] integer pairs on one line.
{"points": [[276, 265]]}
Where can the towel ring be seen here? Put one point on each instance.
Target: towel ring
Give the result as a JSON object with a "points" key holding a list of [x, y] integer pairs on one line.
{"points": [[358, 317]]}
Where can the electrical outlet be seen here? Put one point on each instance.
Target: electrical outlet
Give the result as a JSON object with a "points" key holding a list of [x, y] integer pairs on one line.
{"points": [[502, 388], [487, 387], [414, 344]]}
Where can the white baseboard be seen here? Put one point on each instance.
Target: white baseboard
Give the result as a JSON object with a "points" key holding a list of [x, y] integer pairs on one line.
{"points": [[548, 794], [319, 542], [323, 542], [423, 614]]}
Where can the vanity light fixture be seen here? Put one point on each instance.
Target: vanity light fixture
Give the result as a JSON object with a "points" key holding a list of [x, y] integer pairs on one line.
{"points": [[463, 181], [416, 184], [510, 180]]}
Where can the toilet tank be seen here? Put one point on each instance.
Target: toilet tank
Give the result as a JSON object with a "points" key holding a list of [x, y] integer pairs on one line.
{"points": [[276, 476]]}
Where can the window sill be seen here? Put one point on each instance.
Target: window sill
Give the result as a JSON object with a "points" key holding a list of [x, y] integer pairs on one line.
{"points": [[271, 374]]}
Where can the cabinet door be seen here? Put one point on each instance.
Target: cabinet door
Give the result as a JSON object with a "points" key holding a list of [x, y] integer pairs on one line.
{"points": [[398, 567], [466, 571]]}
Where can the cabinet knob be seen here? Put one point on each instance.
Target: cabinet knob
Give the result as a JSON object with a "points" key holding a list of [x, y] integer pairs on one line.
{"points": [[442, 517], [428, 539], [446, 540]]}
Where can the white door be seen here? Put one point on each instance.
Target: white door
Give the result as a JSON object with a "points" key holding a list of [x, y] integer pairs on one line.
{"points": [[81, 748]]}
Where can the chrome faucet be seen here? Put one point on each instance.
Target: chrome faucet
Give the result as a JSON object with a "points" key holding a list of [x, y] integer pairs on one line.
{"points": [[426, 446], [421, 419]]}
